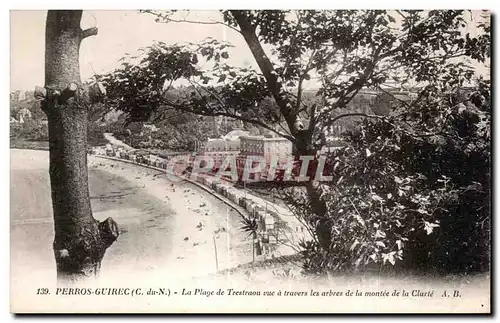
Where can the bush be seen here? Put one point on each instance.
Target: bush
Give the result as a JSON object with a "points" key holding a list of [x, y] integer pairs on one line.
{"points": [[412, 195], [95, 135], [36, 130]]}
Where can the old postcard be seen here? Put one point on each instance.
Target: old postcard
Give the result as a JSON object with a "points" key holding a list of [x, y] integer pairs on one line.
{"points": [[250, 161]]}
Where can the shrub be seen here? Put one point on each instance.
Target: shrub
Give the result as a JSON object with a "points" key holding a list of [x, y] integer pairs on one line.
{"points": [[95, 135], [412, 194], [32, 130]]}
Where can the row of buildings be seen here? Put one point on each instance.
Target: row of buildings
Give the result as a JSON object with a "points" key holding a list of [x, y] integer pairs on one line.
{"points": [[240, 144]]}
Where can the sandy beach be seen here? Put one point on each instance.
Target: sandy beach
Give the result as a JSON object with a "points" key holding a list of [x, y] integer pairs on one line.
{"points": [[167, 228]]}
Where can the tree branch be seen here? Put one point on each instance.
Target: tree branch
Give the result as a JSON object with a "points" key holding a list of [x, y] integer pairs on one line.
{"points": [[312, 118], [89, 32], [337, 71], [160, 117], [358, 84], [163, 91], [405, 43], [292, 43], [394, 97], [222, 103], [401, 14], [301, 80], [167, 20], [214, 95], [265, 65], [230, 115]]}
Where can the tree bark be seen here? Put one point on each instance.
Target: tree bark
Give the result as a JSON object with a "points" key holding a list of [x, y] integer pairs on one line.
{"points": [[80, 240]]}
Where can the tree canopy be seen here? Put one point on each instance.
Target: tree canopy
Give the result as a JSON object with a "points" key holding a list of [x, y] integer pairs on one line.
{"points": [[338, 52]]}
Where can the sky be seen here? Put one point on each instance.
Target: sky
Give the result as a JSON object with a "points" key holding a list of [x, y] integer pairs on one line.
{"points": [[120, 32]]}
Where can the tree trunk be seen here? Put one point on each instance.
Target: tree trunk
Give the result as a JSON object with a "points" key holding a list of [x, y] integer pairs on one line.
{"points": [[318, 218], [80, 241], [266, 67]]}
